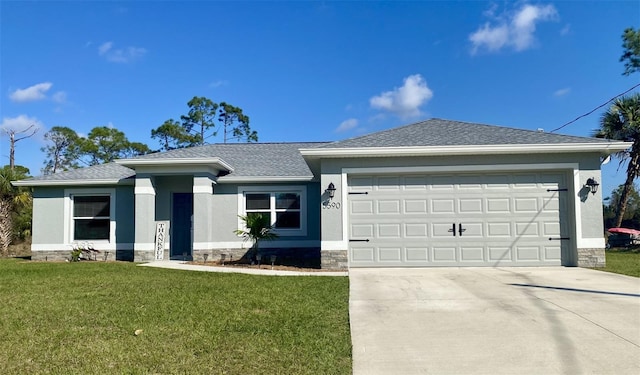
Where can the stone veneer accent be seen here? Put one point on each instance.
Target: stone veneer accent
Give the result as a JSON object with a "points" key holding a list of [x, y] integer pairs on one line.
{"points": [[299, 257], [62, 255], [591, 258], [334, 260]]}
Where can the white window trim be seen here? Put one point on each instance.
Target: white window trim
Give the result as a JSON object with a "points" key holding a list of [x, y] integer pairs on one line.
{"points": [[300, 189], [68, 213]]}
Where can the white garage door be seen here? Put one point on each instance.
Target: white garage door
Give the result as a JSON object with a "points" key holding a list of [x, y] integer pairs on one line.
{"points": [[512, 219]]}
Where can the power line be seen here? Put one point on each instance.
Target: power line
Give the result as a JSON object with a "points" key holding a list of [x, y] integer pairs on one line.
{"points": [[593, 110]]}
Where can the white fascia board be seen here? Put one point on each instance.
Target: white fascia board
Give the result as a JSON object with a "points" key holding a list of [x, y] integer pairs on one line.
{"points": [[606, 148], [132, 163], [270, 179], [72, 182]]}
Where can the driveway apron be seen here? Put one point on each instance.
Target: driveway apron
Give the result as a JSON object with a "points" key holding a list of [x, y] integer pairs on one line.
{"points": [[526, 320]]}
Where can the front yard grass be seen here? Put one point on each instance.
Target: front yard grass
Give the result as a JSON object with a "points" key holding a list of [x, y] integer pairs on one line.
{"points": [[624, 261], [81, 317]]}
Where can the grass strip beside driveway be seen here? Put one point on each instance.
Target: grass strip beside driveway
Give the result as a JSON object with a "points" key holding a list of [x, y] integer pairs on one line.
{"points": [[624, 261], [81, 318]]}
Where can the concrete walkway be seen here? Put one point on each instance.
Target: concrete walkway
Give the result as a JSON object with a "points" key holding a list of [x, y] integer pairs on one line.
{"points": [[550, 320], [180, 265]]}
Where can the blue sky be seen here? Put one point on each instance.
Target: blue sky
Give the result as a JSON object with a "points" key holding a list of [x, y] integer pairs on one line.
{"points": [[309, 71]]}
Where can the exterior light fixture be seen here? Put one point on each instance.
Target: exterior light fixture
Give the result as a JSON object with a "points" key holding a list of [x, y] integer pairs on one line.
{"points": [[331, 190], [592, 184]]}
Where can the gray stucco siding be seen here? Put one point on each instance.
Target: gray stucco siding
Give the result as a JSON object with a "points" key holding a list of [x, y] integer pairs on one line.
{"points": [[48, 216]]}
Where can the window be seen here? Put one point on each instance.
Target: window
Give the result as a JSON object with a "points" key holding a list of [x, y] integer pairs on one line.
{"points": [[285, 207], [91, 217]]}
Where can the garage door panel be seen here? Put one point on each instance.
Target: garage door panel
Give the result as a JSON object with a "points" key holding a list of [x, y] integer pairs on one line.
{"points": [[552, 252], [442, 206], [416, 230], [527, 253], [499, 229], [551, 229], [442, 229], [361, 207], [362, 230], [362, 254], [390, 254], [417, 254], [444, 254], [410, 220], [415, 206], [471, 230], [388, 183], [389, 231], [499, 253], [526, 205], [415, 183], [528, 229], [471, 254], [470, 206], [389, 206], [498, 205]]}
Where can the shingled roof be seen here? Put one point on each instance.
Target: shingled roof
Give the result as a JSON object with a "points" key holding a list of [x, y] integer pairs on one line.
{"points": [[248, 160], [438, 132]]}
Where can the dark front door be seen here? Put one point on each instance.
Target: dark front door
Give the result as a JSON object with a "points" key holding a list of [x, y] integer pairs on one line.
{"points": [[181, 218]]}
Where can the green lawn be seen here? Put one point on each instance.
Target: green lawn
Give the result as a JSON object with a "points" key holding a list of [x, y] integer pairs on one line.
{"points": [[80, 318], [624, 261]]}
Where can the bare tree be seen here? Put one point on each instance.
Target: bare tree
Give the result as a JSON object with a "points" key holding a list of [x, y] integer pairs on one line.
{"points": [[15, 137]]}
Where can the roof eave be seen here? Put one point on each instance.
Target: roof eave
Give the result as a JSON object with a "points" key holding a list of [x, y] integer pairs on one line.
{"points": [[133, 163], [35, 183], [606, 148], [261, 179]]}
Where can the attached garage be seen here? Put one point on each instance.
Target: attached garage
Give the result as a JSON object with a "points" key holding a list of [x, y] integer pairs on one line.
{"points": [[415, 220], [449, 193]]}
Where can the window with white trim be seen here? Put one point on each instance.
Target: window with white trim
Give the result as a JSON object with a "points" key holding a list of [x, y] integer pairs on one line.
{"points": [[91, 217], [285, 207]]}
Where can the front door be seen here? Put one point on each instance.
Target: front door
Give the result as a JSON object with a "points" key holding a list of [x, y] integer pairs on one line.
{"points": [[181, 226]]}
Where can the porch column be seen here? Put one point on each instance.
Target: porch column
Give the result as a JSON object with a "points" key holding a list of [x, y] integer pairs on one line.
{"points": [[202, 215], [145, 215]]}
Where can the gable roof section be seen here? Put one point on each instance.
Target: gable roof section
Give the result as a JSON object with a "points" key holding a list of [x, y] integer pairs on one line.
{"points": [[438, 137], [104, 174], [248, 162]]}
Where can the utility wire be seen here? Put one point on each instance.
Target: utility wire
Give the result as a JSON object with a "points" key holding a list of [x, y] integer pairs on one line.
{"points": [[593, 110]]}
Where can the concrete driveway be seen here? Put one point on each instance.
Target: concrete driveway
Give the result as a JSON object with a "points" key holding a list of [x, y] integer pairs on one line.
{"points": [[543, 320]]}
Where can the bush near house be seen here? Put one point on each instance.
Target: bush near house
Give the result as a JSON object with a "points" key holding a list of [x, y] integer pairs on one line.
{"points": [[108, 317]]}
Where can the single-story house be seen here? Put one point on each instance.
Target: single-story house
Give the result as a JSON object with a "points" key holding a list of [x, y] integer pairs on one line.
{"points": [[433, 193]]}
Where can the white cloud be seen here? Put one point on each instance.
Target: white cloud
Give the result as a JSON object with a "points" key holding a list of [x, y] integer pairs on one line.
{"points": [[120, 55], [404, 101], [218, 83], [59, 97], [19, 123], [562, 92], [32, 93], [104, 48], [347, 125], [566, 30], [512, 30]]}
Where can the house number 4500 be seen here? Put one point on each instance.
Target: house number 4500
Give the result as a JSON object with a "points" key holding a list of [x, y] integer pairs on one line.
{"points": [[329, 205]]}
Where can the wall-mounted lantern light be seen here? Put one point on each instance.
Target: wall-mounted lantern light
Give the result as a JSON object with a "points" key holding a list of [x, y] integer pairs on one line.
{"points": [[331, 190], [592, 184]]}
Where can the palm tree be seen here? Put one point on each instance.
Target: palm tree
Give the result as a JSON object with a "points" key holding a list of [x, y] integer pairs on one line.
{"points": [[622, 122], [12, 199], [257, 227]]}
